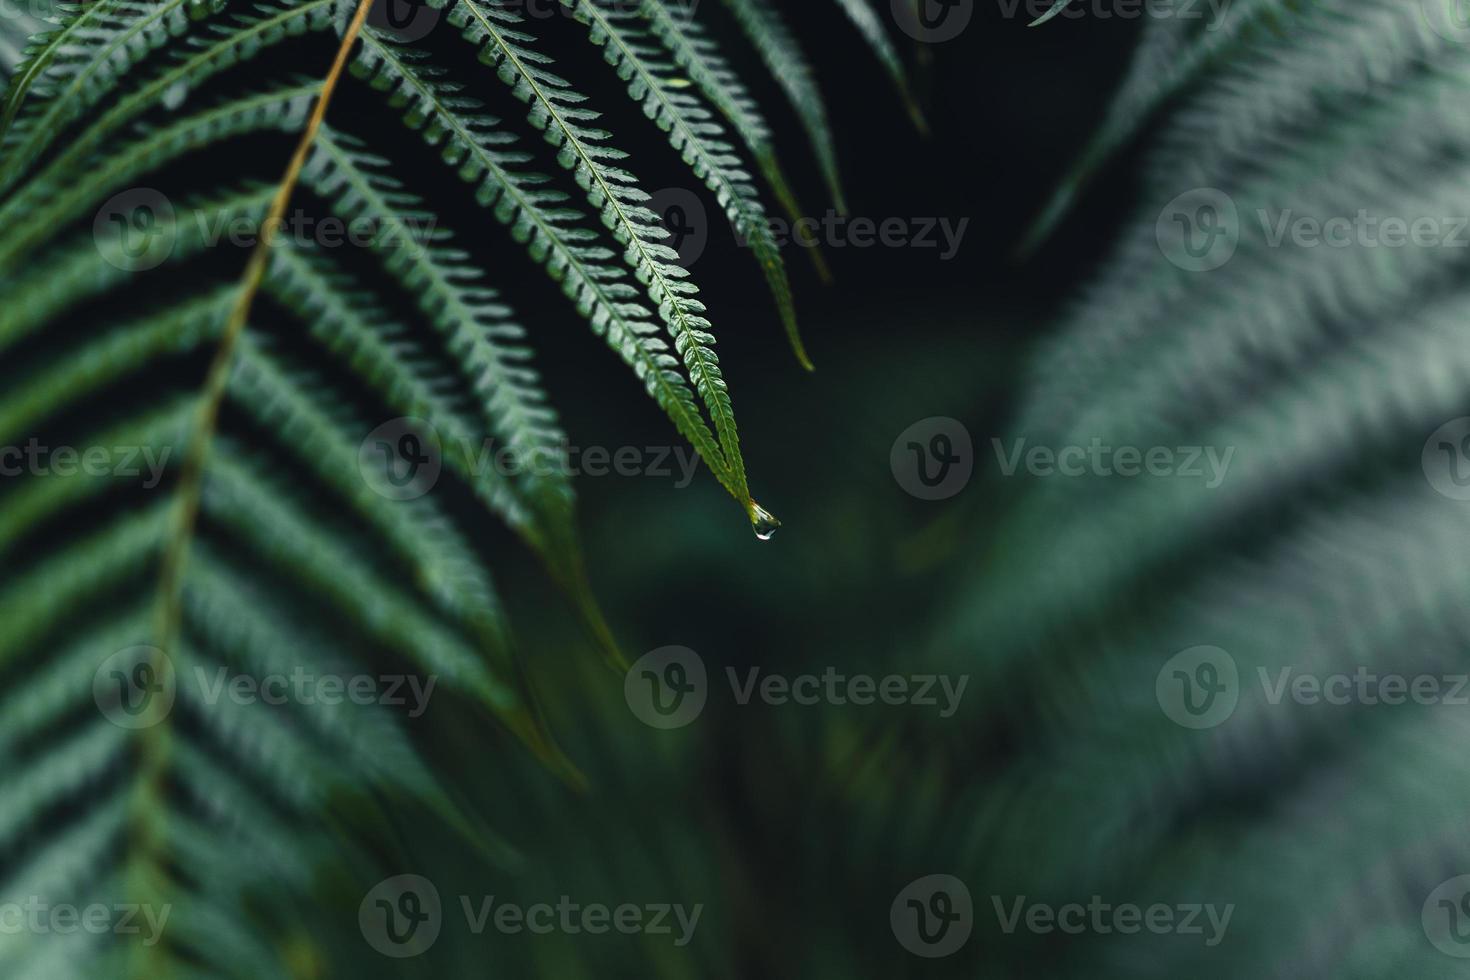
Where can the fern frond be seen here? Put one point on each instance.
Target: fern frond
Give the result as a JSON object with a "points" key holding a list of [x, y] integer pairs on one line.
{"points": [[245, 502], [697, 138], [279, 407], [866, 20], [476, 326], [486, 345], [282, 534], [789, 66], [537, 215], [1170, 62], [40, 501], [48, 202], [697, 54], [345, 320], [77, 66], [1405, 121], [66, 41], [124, 350], [1329, 547], [557, 111], [197, 60], [81, 270], [444, 566]]}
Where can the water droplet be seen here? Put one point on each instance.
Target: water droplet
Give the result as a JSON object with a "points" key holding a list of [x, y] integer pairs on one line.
{"points": [[175, 94], [763, 521]]}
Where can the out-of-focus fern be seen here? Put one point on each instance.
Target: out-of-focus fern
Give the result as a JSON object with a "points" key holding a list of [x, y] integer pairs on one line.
{"points": [[294, 560], [1324, 550]]}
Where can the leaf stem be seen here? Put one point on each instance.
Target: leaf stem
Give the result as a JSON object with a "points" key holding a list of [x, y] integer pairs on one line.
{"points": [[154, 747], [191, 479]]}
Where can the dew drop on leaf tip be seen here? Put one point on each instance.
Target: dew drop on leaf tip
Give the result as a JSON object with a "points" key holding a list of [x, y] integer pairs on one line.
{"points": [[763, 522]]}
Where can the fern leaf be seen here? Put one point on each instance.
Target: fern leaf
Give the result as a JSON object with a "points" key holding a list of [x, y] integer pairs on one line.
{"points": [[698, 139], [558, 112], [475, 325], [487, 345], [699, 57], [76, 67], [1170, 61], [423, 539], [538, 216], [196, 60], [48, 202], [67, 42], [866, 20], [783, 56], [70, 274]]}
